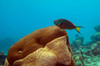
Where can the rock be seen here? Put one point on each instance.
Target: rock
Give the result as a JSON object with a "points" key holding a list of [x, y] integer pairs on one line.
{"points": [[73, 48], [88, 53], [6, 62], [1, 53], [96, 50], [88, 44], [93, 45], [77, 43], [95, 37], [2, 58], [77, 37], [97, 28], [80, 38], [38, 41]]}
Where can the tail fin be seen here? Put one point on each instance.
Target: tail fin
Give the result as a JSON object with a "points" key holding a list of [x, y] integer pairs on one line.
{"points": [[77, 28]]}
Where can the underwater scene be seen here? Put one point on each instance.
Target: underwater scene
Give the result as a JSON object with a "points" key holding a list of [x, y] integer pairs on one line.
{"points": [[49, 32]]}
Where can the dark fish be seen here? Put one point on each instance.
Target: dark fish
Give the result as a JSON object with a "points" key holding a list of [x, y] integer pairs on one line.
{"points": [[66, 24]]}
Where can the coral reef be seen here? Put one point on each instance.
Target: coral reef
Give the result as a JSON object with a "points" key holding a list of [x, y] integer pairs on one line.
{"points": [[96, 50], [44, 46], [97, 28], [95, 37], [88, 54], [2, 58], [95, 43], [78, 42]]}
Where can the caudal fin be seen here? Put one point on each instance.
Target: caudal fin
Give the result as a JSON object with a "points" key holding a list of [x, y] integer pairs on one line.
{"points": [[77, 28]]}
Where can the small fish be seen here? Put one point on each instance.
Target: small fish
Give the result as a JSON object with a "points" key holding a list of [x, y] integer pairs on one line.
{"points": [[66, 24]]}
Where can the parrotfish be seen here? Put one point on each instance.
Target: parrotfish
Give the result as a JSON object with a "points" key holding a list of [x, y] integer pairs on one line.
{"points": [[66, 24]]}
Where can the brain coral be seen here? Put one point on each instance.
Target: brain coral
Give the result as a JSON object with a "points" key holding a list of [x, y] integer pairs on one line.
{"points": [[38, 41]]}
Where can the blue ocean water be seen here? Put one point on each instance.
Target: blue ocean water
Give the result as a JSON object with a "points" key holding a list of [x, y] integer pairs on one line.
{"points": [[21, 17]]}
